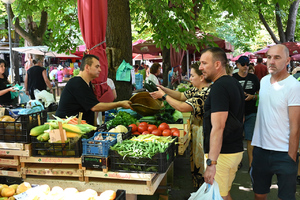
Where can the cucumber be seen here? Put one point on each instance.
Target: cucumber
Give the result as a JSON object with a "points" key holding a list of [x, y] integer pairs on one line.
{"points": [[149, 121], [148, 117]]}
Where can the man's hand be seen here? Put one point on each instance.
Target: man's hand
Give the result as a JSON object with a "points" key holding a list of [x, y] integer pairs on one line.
{"points": [[157, 94], [249, 97], [126, 104], [161, 87], [27, 93], [209, 174]]}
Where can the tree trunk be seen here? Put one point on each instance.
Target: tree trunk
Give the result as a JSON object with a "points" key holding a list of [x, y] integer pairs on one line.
{"points": [[166, 65], [119, 43], [279, 24], [262, 19], [291, 24]]}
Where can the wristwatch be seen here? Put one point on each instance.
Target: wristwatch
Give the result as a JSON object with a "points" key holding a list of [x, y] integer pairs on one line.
{"points": [[164, 97], [209, 162]]}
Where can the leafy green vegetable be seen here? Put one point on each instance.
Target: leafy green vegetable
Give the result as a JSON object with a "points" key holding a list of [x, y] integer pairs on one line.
{"points": [[121, 118], [177, 115]]}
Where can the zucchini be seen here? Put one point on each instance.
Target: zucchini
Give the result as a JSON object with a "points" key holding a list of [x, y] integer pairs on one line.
{"points": [[148, 87], [152, 85]]}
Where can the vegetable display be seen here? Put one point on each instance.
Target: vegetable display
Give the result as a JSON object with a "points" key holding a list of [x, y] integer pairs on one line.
{"points": [[143, 146], [121, 118]]}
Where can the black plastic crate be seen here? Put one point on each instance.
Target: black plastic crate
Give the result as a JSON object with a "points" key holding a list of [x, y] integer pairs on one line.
{"points": [[121, 195], [159, 163], [95, 162], [18, 131], [45, 149]]}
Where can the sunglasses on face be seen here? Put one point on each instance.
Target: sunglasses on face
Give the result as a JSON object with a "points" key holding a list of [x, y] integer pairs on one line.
{"points": [[243, 64]]}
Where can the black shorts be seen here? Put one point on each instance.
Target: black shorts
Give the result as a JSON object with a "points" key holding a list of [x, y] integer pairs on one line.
{"points": [[265, 164]]}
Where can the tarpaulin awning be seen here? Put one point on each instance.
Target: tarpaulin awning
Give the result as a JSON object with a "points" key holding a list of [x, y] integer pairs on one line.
{"points": [[42, 50]]}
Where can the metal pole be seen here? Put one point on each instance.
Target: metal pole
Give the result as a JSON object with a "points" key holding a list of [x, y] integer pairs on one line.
{"points": [[187, 64], [10, 44]]}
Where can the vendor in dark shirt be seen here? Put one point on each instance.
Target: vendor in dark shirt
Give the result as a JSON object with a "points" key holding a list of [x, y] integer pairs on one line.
{"points": [[5, 96], [78, 95]]}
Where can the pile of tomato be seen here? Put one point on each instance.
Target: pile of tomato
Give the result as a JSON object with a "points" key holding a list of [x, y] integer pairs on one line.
{"points": [[162, 130]]}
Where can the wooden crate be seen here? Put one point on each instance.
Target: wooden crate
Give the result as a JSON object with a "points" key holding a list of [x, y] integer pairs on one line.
{"points": [[15, 149], [10, 158], [134, 183], [10, 166], [51, 166], [183, 140]]}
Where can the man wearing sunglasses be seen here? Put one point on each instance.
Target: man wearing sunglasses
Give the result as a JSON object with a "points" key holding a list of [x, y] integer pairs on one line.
{"points": [[250, 85]]}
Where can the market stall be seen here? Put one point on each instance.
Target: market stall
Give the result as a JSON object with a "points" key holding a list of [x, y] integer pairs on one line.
{"points": [[69, 153]]}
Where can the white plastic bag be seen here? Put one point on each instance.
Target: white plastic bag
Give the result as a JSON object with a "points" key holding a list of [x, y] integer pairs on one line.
{"points": [[46, 97], [207, 192]]}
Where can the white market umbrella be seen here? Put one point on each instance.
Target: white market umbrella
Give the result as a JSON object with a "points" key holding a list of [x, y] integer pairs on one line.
{"points": [[42, 50]]}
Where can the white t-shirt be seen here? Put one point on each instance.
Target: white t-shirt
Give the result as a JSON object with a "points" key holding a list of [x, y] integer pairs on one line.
{"points": [[153, 78], [111, 84], [272, 128]]}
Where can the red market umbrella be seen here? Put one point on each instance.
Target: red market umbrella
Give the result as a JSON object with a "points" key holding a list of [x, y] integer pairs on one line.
{"points": [[248, 54], [136, 56], [145, 47], [294, 47], [262, 52], [92, 17], [295, 57]]}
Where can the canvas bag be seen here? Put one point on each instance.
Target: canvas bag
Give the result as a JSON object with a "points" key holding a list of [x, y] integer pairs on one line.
{"points": [[207, 192], [124, 72]]}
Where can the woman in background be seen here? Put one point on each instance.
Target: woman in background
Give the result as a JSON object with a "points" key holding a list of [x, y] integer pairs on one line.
{"points": [[5, 89], [155, 70]]}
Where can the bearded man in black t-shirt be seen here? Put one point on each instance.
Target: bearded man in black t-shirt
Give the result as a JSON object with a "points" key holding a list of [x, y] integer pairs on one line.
{"points": [[78, 95], [223, 121], [250, 85]]}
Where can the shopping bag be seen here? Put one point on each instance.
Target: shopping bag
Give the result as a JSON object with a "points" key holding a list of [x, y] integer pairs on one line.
{"points": [[124, 72], [207, 192]]}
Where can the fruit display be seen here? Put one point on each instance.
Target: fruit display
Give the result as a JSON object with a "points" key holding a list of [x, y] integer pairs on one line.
{"points": [[7, 192], [24, 191]]}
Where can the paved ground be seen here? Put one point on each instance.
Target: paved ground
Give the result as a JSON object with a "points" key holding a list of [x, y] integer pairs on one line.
{"points": [[241, 188]]}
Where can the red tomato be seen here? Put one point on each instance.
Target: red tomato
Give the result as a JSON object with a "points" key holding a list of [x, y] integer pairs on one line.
{"points": [[133, 127], [142, 128], [173, 130], [136, 133], [143, 123], [151, 128], [163, 126], [156, 132], [176, 133], [167, 132], [184, 132], [145, 133]]}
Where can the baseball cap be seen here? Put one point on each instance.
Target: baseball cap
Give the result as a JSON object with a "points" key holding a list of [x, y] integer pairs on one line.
{"points": [[243, 60]]}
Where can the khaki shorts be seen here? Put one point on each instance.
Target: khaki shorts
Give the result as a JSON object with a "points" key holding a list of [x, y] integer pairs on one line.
{"points": [[226, 168]]}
